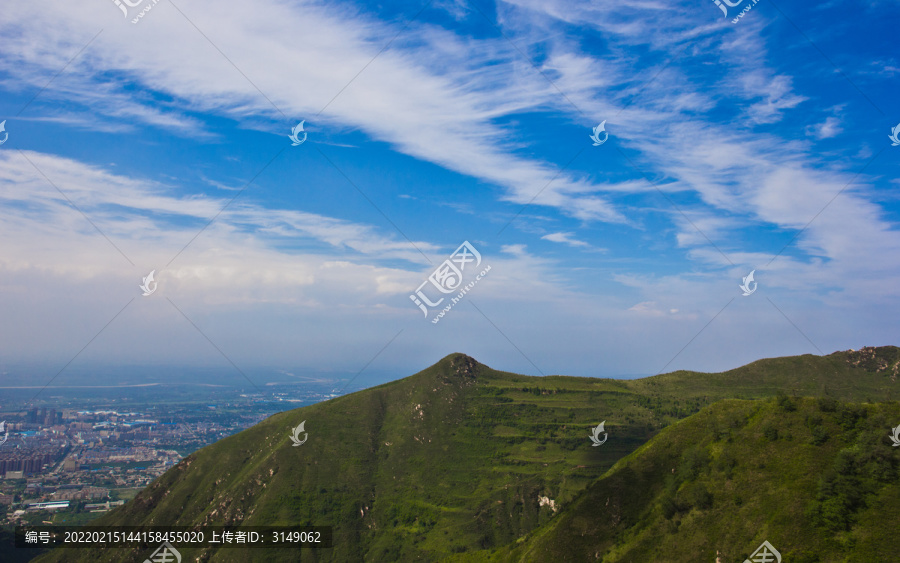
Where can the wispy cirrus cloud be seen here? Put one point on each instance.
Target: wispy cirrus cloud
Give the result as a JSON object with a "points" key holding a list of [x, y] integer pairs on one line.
{"points": [[149, 218], [429, 76]]}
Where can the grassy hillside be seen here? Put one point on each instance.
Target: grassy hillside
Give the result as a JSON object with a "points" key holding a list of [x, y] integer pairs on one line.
{"points": [[452, 460], [818, 479]]}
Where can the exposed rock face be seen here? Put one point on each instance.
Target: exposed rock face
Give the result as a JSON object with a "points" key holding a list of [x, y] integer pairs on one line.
{"points": [[465, 367], [877, 360], [547, 501]]}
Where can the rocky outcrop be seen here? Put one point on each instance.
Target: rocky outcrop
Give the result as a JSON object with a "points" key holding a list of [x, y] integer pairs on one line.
{"points": [[882, 359]]}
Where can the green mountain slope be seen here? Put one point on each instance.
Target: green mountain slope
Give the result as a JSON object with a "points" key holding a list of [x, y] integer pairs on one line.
{"points": [[453, 460], [818, 479]]}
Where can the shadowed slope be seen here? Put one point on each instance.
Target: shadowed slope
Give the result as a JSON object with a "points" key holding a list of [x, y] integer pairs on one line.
{"points": [[817, 479]]}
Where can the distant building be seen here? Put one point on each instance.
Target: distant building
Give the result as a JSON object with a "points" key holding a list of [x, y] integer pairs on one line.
{"points": [[26, 462], [87, 493], [103, 506], [94, 493], [52, 505]]}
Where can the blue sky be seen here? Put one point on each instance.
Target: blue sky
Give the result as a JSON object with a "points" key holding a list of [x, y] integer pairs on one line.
{"points": [[162, 145]]}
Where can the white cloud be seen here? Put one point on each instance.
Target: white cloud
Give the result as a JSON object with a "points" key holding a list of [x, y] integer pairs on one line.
{"points": [[514, 249], [150, 223], [777, 98], [565, 238], [830, 128]]}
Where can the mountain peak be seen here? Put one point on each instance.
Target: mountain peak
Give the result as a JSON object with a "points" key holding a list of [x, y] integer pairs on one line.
{"points": [[461, 365]]}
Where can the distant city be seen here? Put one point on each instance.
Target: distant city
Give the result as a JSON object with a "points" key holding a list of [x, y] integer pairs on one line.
{"points": [[65, 463]]}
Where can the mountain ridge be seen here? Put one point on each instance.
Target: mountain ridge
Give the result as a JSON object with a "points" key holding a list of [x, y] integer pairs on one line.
{"points": [[458, 458]]}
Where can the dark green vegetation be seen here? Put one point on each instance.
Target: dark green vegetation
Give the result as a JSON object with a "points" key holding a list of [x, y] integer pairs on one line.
{"points": [[451, 463], [733, 475]]}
